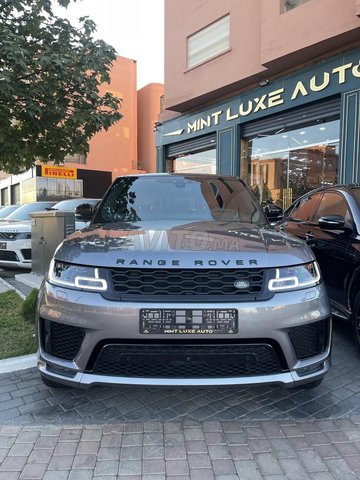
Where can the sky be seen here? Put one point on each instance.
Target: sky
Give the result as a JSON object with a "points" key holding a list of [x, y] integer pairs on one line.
{"points": [[135, 28]]}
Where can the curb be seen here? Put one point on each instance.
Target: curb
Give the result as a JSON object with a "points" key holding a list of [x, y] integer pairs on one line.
{"points": [[18, 363], [11, 287]]}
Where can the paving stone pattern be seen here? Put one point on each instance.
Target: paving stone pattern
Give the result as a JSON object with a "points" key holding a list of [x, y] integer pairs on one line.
{"points": [[227, 450]]}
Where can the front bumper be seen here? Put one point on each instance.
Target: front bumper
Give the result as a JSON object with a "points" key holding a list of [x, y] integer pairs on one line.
{"points": [[108, 326], [17, 254]]}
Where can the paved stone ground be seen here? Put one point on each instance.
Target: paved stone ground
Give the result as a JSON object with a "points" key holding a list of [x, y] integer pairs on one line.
{"points": [[229, 450]]}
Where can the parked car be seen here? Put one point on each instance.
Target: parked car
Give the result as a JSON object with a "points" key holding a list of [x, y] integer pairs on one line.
{"points": [[15, 236], [181, 280], [6, 210], [328, 219], [71, 204]]}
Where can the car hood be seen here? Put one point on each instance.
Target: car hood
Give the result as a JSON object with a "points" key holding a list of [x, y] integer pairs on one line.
{"points": [[199, 244], [14, 226]]}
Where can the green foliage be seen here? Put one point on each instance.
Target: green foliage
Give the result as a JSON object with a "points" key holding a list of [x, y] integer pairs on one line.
{"points": [[256, 191], [17, 337], [28, 308], [50, 73], [266, 193]]}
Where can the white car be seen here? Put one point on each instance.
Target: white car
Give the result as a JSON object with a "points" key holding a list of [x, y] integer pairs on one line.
{"points": [[15, 236], [5, 211]]}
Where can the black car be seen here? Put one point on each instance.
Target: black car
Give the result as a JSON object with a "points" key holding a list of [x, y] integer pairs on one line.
{"points": [[328, 218]]}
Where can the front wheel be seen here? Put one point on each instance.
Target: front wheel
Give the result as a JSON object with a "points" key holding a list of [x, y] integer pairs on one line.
{"points": [[355, 319]]}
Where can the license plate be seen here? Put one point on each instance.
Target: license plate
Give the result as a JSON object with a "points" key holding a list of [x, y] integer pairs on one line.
{"points": [[3, 245], [188, 321]]}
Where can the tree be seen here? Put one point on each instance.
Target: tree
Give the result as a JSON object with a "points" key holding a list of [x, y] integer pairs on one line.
{"points": [[50, 73]]}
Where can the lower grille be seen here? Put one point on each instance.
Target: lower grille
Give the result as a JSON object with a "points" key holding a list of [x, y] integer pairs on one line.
{"points": [[26, 253], [63, 341], [187, 361], [8, 256], [311, 339]]}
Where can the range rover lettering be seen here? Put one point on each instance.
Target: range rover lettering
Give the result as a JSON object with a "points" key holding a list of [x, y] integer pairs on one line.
{"points": [[181, 280]]}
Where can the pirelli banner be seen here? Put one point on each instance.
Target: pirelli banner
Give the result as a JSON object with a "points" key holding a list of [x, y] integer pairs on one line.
{"points": [[58, 172]]}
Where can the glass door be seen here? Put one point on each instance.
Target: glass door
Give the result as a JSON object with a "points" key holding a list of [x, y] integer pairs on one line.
{"points": [[284, 165]]}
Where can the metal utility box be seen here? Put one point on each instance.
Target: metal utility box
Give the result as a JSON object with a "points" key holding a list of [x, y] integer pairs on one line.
{"points": [[48, 230]]}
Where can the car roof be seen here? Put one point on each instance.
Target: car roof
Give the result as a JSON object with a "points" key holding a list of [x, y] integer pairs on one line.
{"points": [[344, 187]]}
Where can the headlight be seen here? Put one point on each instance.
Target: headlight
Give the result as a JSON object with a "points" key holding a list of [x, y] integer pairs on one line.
{"points": [[75, 276], [292, 278], [23, 236]]}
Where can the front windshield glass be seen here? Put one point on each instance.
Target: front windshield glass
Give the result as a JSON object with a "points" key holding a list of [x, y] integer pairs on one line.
{"points": [[70, 205], [177, 197], [4, 212], [22, 213]]}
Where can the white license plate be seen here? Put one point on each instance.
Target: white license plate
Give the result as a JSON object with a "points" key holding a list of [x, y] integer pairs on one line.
{"points": [[193, 321]]}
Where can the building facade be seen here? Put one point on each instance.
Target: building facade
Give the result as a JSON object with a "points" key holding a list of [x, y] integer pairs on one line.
{"points": [[268, 90], [148, 109], [111, 153]]}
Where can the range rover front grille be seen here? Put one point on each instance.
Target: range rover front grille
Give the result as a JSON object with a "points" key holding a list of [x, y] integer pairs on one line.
{"points": [[8, 236], [182, 284], [186, 361]]}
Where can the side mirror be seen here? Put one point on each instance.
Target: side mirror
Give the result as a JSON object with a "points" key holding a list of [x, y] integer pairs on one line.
{"points": [[85, 212], [332, 222], [273, 213]]}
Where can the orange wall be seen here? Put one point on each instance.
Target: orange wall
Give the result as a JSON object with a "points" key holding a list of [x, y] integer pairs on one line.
{"points": [[306, 31], [148, 110], [264, 42], [116, 149]]}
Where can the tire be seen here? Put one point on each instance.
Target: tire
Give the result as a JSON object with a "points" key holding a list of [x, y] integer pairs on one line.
{"points": [[355, 319], [51, 383]]}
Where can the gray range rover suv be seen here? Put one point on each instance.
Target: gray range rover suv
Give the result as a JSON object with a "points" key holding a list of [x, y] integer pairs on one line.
{"points": [[180, 280]]}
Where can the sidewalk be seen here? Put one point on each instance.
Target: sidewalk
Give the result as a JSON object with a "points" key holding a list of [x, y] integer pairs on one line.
{"points": [[23, 283], [314, 450]]}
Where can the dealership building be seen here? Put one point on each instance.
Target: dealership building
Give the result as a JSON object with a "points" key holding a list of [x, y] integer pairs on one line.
{"points": [[268, 90]]}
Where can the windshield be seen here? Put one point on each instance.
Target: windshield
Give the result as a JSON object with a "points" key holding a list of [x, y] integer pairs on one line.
{"points": [[175, 197], [22, 213], [4, 212], [70, 205]]}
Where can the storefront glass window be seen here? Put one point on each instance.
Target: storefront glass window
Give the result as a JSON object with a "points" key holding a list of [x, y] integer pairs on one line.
{"points": [[285, 165], [201, 162]]}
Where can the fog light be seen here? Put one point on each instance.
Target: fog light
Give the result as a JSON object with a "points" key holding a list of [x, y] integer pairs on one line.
{"points": [[63, 371], [302, 372]]}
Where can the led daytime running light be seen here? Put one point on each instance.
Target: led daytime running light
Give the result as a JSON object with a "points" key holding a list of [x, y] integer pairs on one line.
{"points": [[277, 283], [292, 282], [80, 281]]}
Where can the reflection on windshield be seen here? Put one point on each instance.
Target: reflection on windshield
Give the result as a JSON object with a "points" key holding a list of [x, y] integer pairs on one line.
{"points": [[177, 197], [22, 213]]}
